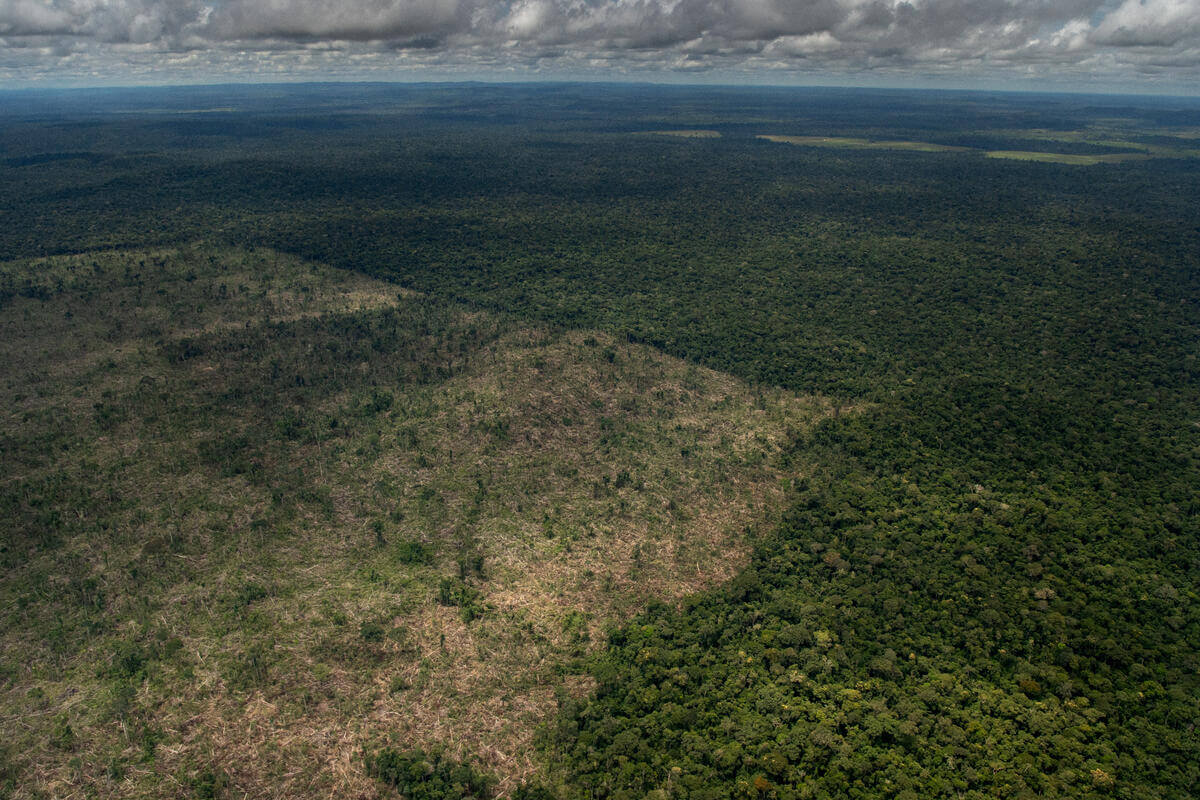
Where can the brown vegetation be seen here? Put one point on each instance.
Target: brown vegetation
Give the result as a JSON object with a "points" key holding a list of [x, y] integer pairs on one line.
{"points": [[290, 571]]}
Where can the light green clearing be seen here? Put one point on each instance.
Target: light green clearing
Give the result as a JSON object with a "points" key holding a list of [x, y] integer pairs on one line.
{"points": [[1066, 158], [1145, 150], [863, 144], [216, 110], [1182, 133], [696, 134], [1105, 137]]}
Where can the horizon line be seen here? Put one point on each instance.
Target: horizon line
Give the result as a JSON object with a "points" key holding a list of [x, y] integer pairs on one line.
{"points": [[576, 81]]}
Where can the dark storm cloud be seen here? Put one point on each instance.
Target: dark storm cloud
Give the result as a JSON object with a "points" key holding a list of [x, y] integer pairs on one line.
{"points": [[973, 36]]}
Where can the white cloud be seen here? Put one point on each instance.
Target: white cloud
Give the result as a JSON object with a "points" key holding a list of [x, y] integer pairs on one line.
{"points": [[1071, 37], [806, 45], [1160, 23], [915, 36], [29, 17]]}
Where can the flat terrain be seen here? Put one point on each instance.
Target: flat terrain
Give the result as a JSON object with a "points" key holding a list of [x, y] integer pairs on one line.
{"points": [[1065, 158], [268, 514], [1122, 150], [431, 438], [689, 134], [863, 144]]}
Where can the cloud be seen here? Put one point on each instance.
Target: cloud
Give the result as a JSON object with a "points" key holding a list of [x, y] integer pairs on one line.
{"points": [[1150, 23], [804, 46], [29, 18], [332, 19], [112, 21], [975, 37]]}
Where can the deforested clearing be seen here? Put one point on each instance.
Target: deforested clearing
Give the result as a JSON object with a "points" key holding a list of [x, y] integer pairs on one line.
{"points": [[688, 134], [269, 515], [863, 144], [1066, 158]]}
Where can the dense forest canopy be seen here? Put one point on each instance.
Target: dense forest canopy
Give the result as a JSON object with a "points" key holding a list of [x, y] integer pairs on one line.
{"points": [[983, 582]]}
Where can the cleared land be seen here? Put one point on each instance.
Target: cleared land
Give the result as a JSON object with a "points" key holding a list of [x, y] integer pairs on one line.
{"points": [[1122, 137], [267, 516], [863, 144], [687, 134], [1138, 151], [1066, 158]]}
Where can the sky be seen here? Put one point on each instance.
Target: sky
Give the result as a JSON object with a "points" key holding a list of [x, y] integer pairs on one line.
{"points": [[1150, 46]]}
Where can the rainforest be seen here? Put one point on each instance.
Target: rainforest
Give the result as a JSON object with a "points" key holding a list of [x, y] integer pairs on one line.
{"points": [[555, 441]]}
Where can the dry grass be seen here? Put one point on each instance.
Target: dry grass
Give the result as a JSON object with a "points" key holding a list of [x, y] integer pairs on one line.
{"points": [[1145, 151], [864, 144], [1066, 158], [686, 134], [1120, 134], [283, 618]]}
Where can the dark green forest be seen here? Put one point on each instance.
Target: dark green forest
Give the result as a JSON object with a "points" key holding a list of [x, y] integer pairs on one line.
{"points": [[984, 582]]}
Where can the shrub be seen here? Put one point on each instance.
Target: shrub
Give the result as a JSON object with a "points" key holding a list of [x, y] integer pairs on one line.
{"points": [[371, 632], [411, 551], [418, 775]]}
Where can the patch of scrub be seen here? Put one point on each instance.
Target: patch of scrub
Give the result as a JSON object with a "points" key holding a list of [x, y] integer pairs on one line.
{"points": [[1109, 138], [863, 144], [1065, 158], [686, 134]]}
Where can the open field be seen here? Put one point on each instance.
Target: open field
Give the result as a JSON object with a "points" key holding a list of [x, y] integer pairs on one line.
{"points": [[1065, 158], [687, 134], [863, 144], [1138, 151], [270, 516], [1116, 138]]}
